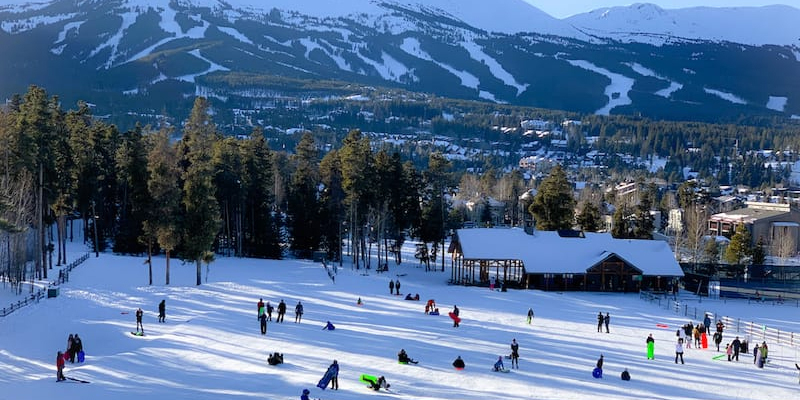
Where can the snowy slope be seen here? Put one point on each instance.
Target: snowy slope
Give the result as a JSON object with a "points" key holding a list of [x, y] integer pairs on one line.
{"points": [[649, 23], [506, 16], [210, 346]]}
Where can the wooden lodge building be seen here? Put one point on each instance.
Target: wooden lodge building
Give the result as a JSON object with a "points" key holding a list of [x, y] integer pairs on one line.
{"points": [[561, 260]]}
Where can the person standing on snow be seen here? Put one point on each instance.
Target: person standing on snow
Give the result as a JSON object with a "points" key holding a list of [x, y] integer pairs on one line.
{"points": [[397, 287], [651, 347], [717, 339], [281, 311], [600, 322], [679, 351], [60, 367], [391, 286], [455, 312], [162, 311], [71, 348], [269, 311], [139, 314], [334, 368], [514, 353], [530, 315], [737, 347], [262, 319], [606, 320], [298, 312]]}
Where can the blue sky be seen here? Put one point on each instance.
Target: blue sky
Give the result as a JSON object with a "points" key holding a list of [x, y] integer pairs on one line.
{"points": [[562, 9]]}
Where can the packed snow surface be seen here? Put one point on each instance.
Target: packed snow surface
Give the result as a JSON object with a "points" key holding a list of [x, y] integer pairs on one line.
{"points": [[211, 348]]}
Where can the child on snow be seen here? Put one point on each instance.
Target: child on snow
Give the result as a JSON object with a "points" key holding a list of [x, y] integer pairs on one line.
{"points": [[498, 366]]}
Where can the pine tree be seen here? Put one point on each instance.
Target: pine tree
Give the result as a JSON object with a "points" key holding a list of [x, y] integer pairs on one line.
{"points": [[135, 200], [303, 207], [201, 218], [163, 184], [554, 205], [589, 218], [261, 238], [739, 247], [758, 253]]}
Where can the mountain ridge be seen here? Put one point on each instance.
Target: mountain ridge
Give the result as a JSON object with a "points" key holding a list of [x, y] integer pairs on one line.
{"points": [[149, 54]]}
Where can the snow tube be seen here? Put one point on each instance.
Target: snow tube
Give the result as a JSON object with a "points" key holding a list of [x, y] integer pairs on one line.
{"points": [[651, 350], [704, 340], [454, 317], [597, 373], [662, 326], [81, 356]]}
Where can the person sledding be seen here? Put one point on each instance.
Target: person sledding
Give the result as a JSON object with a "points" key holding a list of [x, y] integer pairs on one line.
{"points": [[328, 327], [459, 363], [275, 358], [430, 306], [412, 298], [403, 358], [498, 366], [434, 312], [375, 383]]}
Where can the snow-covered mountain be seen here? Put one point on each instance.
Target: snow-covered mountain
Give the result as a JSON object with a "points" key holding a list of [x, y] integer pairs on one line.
{"points": [[144, 55], [649, 23]]}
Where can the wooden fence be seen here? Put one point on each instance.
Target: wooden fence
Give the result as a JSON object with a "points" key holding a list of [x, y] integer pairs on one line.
{"points": [[63, 276]]}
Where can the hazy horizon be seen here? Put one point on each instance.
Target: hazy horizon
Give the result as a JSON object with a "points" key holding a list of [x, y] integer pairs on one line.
{"points": [[564, 9]]}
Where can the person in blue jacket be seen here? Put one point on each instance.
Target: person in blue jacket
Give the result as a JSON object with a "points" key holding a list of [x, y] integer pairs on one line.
{"points": [[329, 326], [305, 394], [498, 366]]}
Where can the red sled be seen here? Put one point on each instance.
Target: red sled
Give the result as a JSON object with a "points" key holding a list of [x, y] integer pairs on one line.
{"points": [[455, 317]]}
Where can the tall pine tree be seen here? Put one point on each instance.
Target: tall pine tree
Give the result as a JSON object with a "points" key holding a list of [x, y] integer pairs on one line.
{"points": [[201, 215]]}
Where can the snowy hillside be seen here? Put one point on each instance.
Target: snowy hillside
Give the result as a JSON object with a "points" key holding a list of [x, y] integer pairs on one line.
{"points": [[649, 23], [210, 346], [506, 16]]}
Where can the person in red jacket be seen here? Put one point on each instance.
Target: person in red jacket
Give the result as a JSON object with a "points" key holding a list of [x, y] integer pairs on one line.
{"points": [[60, 367]]}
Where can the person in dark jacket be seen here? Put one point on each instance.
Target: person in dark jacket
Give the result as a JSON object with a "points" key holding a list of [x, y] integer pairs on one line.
{"points": [[397, 287], [606, 320], [403, 358], [305, 394], [262, 319], [737, 347], [600, 320], [139, 314], [77, 345], [281, 311], [600, 362], [269, 311], [162, 311], [459, 363], [329, 326], [334, 368], [71, 348], [717, 338], [625, 375], [391, 286], [298, 312], [456, 311], [514, 353]]}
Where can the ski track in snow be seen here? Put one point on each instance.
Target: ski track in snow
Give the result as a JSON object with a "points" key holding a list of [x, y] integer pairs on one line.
{"points": [[620, 85], [213, 67], [726, 96], [311, 45], [477, 54], [644, 71], [413, 47]]}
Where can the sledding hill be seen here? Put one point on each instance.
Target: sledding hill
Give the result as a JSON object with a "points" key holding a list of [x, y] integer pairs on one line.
{"points": [[211, 348]]}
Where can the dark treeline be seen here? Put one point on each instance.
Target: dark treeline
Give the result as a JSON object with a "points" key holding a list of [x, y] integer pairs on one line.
{"points": [[142, 192]]}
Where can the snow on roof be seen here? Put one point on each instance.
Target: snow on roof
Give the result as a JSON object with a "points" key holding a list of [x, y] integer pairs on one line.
{"points": [[547, 252]]}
